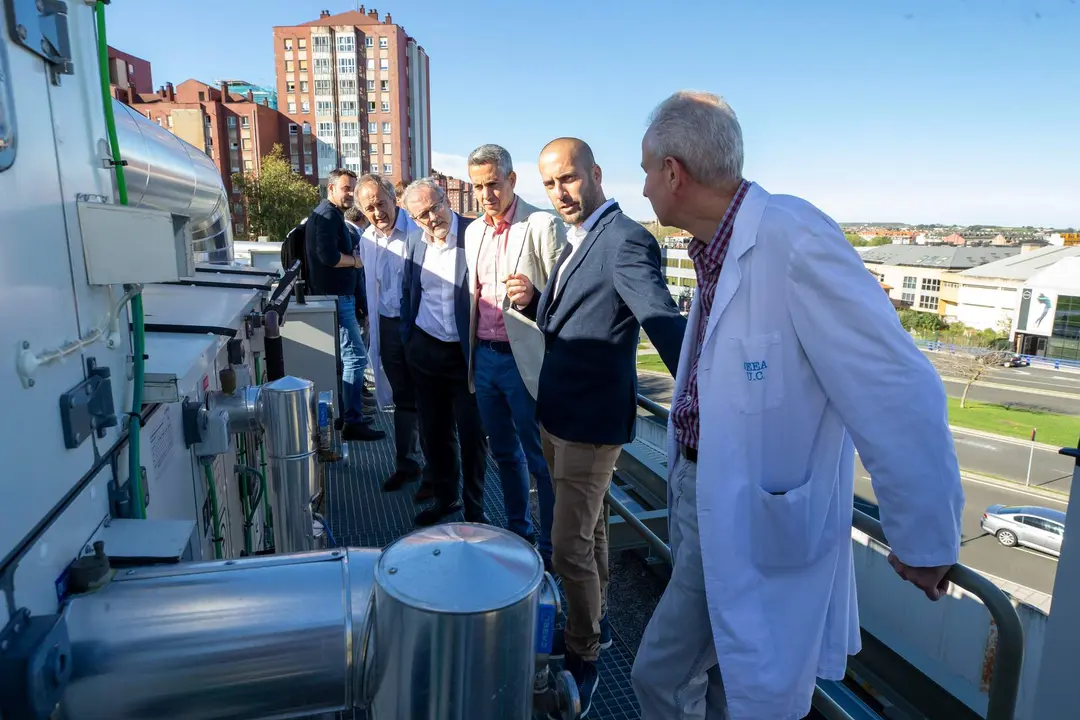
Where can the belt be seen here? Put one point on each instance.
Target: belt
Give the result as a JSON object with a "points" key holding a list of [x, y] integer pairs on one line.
{"points": [[688, 452], [496, 345]]}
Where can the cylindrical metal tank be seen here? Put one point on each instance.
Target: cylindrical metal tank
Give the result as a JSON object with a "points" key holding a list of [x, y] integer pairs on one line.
{"points": [[287, 409], [273, 636], [166, 173], [456, 620]]}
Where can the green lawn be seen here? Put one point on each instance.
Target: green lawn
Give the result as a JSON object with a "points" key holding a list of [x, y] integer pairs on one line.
{"points": [[651, 362], [1053, 429]]}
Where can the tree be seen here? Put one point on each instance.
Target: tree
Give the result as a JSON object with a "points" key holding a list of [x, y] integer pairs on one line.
{"points": [[855, 240], [880, 240], [275, 198], [968, 367]]}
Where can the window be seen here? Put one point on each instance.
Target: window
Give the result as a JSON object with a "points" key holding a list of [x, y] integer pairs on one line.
{"points": [[245, 143], [348, 107], [371, 64], [372, 127], [248, 166], [373, 149], [385, 106], [231, 122], [239, 228], [383, 43], [293, 129], [348, 87], [931, 284], [245, 121], [345, 43], [290, 87], [350, 149], [384, 64], [387, 148], [909, 282], [303, 66], [322, 87], [371, 85], [307, 128], [308, 170], [346, 65], [305, 107], [288, 44], [371, 106], [326, 128], [238, 208], [354, 166], [349, 129], [908, 298], [320, 43], [928, 302], [290, 66], [324, 107], [384, 85], [369, 41], [303, 86], [295, 165], [385, 128], [387, 168], [302, 43], [322, 65], [202, 96]]}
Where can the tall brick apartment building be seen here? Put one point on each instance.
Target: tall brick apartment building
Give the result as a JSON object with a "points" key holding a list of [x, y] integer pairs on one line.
{"points": [[234, 130], [359, 86]]}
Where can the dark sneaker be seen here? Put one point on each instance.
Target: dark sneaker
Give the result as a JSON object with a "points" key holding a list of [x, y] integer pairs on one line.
{"points": [[425, 493], [587, 678], [558, 645], [361, 432], [435, 513], [397, 480]]}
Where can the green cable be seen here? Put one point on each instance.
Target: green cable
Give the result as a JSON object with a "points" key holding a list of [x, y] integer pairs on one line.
{"points": [[215, 517], [138, 319], [245, 499]]}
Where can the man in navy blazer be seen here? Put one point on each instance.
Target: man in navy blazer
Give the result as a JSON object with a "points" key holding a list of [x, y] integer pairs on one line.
{"points": [[435, 308], [606, 286]]}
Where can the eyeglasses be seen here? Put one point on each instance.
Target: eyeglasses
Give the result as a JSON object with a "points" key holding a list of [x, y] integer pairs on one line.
{"points": [[431, 213]]}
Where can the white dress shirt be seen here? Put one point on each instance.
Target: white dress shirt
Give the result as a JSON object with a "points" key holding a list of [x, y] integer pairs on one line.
{"points": [[389, 263], [576, 233], [436, 315]]}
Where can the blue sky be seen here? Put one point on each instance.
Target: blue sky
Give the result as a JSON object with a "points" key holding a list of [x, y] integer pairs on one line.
{"points": [[951, 111]]}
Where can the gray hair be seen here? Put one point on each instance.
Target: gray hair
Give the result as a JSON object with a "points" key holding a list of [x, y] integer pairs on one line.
{"points": [[490, 154], [423, 183], [380, 182], [699, 130]]}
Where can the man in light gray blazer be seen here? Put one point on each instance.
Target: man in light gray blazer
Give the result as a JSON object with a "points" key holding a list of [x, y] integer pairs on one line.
{"points": [[506, 348]]}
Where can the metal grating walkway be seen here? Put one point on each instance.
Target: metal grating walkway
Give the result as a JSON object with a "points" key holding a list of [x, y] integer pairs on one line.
{"points": [[361, 514]]}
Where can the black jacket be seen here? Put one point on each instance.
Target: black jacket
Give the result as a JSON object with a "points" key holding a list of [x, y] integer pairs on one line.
{"points": [[327, 238], [611, 288]]}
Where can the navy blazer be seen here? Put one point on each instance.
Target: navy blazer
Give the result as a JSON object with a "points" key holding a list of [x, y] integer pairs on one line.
{"points": [[591, 313], [411, 289]]}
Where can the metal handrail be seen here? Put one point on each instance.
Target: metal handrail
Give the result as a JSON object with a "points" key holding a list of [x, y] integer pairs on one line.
{"points": [[1009, 658], [642, 529]]}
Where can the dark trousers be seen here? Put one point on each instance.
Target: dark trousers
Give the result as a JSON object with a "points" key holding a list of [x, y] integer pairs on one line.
{"points": [[406, 424], [444, 402]]}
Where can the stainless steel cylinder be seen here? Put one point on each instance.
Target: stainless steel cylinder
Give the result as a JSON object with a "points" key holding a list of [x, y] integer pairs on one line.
{"points": [[242, 407], [287, 411], [272, 636], [456, 619]]}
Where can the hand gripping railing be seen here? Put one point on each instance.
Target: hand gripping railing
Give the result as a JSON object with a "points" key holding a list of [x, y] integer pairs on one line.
{"points": [[1009, 658]]}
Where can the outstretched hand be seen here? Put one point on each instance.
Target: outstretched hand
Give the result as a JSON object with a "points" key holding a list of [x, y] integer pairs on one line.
{"points": [[931, 580], [519, 289]]}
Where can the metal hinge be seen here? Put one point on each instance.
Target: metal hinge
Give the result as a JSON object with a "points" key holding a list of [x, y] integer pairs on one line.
{"points": [[41, 26]]}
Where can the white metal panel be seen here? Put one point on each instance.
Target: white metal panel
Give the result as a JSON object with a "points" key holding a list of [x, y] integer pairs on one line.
{"points": [[37, 297], [129, 245], [181, 360], [170, 467], [190, 306]]}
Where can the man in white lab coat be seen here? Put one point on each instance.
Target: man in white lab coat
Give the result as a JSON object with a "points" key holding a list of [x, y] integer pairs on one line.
{"points": [[793, 358]]}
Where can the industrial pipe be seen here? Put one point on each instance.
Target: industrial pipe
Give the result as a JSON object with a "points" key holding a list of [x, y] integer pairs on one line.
{"points": [[442, 625], [275, 351]]}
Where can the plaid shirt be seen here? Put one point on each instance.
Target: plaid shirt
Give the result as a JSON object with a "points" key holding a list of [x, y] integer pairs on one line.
{"points": [[708, 259]]}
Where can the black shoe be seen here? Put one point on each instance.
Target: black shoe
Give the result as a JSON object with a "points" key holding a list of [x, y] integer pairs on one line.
{"points": [[366, 393], [587, 677], [425, 493], [558, 645], [339, 422], [397, 480], [361, 432], [435, 513]]}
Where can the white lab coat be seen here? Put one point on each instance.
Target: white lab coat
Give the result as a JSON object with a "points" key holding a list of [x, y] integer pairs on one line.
{"points": [[369, 253], [804, 354]]}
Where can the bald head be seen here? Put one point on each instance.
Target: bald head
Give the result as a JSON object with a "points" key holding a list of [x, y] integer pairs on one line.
{"points": [[571, 178]]}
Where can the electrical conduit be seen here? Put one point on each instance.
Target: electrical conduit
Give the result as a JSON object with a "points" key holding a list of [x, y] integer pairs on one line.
{"points": [[215, 516], [138, 320]]}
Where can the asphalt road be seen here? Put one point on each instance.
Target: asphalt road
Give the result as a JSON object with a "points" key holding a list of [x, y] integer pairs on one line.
{"points": [[1027, 386], [983, 552]]}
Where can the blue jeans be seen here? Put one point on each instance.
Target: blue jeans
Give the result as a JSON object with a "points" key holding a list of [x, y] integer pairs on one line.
{"points": [[509, 415], [354, 359]]}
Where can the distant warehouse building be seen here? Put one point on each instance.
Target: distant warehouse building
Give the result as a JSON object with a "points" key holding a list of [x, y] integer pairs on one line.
{"points": [[914, 273]]}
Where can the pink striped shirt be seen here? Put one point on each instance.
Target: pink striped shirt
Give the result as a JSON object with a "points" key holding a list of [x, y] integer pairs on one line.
{"points": [[490, 324]]}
